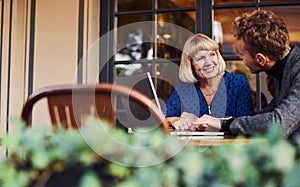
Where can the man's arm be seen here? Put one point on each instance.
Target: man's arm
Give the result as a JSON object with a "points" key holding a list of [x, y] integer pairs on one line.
{"points": [[285, 114]]}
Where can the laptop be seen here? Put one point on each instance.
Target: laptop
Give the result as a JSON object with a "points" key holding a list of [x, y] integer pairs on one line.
{"points": [[130, 114]]}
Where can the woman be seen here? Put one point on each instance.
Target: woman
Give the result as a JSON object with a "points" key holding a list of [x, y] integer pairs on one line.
{"points": [[205, 87]]}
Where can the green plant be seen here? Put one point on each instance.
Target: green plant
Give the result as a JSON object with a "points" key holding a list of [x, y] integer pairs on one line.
{"points": [[99, 155]]}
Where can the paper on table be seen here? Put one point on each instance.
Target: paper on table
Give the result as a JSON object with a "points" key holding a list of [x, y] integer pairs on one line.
{"points": [[195, 133]]}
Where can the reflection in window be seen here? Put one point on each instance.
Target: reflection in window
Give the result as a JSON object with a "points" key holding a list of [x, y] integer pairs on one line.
{"points": [[134, 38], [134, 47]]}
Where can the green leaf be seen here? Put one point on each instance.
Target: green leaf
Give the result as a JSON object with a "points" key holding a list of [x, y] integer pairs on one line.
{"points": [[119, 171], [89, 179], [40, 159]]}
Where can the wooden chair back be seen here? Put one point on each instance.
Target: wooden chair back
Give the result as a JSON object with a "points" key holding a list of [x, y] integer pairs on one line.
{"points": [[68, 104]]}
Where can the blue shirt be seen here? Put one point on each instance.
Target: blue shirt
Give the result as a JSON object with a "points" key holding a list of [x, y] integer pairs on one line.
{"points": [[233, 98]]}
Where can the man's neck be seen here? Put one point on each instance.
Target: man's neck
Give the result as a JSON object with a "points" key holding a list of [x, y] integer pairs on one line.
{"points": [[277, 68]]}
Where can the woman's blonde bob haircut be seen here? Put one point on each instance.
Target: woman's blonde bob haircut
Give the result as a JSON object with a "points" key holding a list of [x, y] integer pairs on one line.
{"points": [[192, 45]]}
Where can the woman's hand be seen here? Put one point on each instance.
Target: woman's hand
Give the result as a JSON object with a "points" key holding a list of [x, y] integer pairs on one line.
{"points": [[182, 124], [207, 120], [172, 120], [186, 122]]}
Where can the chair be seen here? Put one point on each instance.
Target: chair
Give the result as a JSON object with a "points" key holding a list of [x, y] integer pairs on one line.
{"points": [[68, 104]]}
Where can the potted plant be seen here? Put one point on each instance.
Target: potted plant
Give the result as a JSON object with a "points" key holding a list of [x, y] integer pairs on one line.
{"points": [[98, 155]]}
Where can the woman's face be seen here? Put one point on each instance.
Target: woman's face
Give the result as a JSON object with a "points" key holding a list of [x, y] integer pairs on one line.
{"points": [[205, 64]]}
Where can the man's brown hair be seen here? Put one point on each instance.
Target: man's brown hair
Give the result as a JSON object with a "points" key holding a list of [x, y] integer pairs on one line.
{"points": [[262, 32]]}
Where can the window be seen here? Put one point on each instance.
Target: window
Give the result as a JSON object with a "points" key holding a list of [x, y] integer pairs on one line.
{"points": [[150, 34]]}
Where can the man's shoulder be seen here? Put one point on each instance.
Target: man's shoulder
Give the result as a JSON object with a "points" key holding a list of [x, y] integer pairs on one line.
{"points": [[293, 61], [295, 54]]}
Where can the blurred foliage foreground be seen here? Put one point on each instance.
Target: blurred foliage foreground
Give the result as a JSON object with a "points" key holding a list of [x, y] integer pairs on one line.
{"points": [[98, 155]]}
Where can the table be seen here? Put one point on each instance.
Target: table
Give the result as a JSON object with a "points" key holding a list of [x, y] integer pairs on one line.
{"points": [[218, 140]]}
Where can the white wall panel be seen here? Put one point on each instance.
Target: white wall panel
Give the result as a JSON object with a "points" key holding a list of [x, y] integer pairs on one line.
{"points": [[56, 40]]}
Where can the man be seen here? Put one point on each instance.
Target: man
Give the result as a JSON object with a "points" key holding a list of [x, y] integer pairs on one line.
{"points": [[262, 41]]}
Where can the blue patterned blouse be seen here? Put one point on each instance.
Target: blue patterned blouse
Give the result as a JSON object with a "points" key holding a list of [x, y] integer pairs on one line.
{"points": [[233, 98]]}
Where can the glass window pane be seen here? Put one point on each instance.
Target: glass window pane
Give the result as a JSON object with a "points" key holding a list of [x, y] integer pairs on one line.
{"points": [[225, 18], [134, 38], [182, 19], [290, 15], [222, 2], [124, 20], [170, 38], [164, 4], [133, 5], [167, 79]]}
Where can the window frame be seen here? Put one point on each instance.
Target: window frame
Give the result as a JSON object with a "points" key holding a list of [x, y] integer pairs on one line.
{"points": [[204, 10]]}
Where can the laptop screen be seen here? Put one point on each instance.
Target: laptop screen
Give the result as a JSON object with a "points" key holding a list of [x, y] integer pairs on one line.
{"points": [[131, 114]]}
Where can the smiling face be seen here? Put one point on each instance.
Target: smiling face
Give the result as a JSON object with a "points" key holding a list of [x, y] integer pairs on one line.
{"points": [[205, 64]]}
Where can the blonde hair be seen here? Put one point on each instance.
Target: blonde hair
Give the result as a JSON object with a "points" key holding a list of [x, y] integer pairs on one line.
{"points": [[192, 45]]}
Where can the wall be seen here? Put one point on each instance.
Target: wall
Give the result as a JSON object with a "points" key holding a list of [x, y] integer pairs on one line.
{"points": [[55, 51]]}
